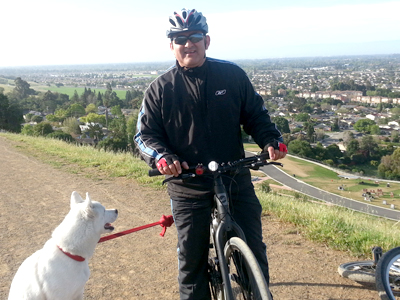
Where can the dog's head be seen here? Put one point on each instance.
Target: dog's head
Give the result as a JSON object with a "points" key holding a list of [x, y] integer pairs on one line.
{"points": [[94, 212]]}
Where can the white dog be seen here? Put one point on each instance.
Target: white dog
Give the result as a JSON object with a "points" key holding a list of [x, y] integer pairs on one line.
{"points": [[60, 270]]}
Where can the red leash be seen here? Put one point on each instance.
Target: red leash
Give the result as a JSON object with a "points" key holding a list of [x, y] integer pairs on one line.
{"points": [[165, 221]]}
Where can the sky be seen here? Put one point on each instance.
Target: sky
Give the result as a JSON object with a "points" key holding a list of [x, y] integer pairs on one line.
{"points": [[73, 32]]}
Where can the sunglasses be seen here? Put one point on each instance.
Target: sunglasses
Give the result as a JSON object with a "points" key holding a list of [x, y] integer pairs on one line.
{"points": [[194, 38]]}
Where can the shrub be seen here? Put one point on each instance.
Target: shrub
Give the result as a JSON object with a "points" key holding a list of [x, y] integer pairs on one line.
{"points": [[61, 135], [329, 162], [113, 144], [27, 130], [265, 187], [42, 129]]}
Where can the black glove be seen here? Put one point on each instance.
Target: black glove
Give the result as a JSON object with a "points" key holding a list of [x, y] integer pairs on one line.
{"points": [[276, 145], [166, 160]]}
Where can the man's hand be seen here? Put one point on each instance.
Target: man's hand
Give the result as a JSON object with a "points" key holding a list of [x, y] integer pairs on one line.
{"points": [[276, 150], [169, 164]]}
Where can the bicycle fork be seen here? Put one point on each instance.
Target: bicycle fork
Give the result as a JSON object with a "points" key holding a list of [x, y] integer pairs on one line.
{"points": [[225, 226]]}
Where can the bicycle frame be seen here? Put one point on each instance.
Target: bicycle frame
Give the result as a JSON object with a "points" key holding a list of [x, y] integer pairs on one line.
{"points": [[225, 225]]}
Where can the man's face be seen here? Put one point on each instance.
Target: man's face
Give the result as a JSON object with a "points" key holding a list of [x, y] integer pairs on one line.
{"points": [[190, 55]]}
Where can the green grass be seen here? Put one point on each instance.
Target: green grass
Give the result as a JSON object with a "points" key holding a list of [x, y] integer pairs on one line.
{"points": [[333, 226], [85, 159]]}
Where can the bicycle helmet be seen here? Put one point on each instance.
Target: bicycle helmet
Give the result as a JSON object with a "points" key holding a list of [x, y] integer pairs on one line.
{"points": [[187, 20]]}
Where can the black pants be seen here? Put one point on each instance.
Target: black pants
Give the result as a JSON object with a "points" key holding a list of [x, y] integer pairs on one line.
{"points": [[192, 221]]}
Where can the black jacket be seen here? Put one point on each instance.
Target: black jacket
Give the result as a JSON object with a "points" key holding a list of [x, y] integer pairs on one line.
{"points": [[196, 114]]}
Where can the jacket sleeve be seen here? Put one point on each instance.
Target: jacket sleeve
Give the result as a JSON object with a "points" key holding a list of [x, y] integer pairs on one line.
{"points": [[150, 137], [255, 117]]}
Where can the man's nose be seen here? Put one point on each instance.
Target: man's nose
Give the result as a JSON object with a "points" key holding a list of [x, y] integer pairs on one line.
{"points": [[189, 43]]}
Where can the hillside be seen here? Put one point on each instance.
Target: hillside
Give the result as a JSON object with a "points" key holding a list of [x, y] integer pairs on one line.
{"points": [[35, 197]]}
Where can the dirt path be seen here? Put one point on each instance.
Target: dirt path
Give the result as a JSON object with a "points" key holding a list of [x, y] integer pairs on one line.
{"points": [[34, 198]]}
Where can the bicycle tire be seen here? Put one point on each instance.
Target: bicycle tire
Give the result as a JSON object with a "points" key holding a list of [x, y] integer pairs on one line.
{"points": [[247, 280], [216, 285], [388, 275], [359, 271]]}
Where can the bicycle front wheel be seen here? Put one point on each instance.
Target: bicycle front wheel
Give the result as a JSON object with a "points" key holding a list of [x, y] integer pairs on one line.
{"points": [[388, 275], [247, 280], [359, 271]]}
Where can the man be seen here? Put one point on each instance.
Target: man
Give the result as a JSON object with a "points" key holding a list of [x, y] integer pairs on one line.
{"points": [[193, 114]]}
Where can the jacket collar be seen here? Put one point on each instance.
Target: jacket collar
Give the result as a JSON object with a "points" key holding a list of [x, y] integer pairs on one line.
{"points": [[192, 71]]}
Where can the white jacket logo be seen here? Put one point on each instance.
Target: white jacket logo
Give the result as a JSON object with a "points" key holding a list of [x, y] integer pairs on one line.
{"points": [[220, 93]]}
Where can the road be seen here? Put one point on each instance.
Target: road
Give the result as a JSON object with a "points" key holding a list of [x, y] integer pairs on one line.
{"points": [[285, 179]]}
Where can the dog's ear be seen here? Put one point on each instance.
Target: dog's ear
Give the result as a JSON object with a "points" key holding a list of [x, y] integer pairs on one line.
{"points": [[88, 207], [75, 198]]}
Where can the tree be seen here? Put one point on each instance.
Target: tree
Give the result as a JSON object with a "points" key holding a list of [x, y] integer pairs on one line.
{"points": [[395, 136], [375, 130], [319, 152], [282, 124], [94, 118], [347, 137], [28, 130], [352, 147], [52, 118], [301, 148], [369, 146], [75, 97], [91, 108], [335, 125], [49, 102], [10, 115], [42, 129], [36, 119], [71, 126], [309, 127], [116, 111], [76, 110], [358, 159], [118, 127], [110, 99], [22, 89], [128, 97], [333, 152], [364, 125], [302, 117], [131, 124], [390, 166], [95, 132]]}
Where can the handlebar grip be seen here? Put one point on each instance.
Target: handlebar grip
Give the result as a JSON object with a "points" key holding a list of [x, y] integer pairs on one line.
{"points": [[264, 155], [154, 172]]}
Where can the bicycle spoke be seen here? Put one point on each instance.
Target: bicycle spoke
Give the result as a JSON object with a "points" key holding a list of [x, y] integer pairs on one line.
{"points": [[245, 276]]}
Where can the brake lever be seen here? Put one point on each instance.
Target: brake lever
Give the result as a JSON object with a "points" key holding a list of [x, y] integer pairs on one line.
{"points": [[275, 163], [181, 177]]}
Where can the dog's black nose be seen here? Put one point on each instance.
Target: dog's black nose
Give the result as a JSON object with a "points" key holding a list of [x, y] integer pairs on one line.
{"points": [[116, 211]]}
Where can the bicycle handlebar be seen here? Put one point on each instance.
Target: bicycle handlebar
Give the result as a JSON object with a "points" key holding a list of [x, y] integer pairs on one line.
{"points": [[252, 162]]}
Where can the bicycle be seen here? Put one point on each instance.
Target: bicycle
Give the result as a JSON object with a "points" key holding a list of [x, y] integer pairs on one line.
{"points": [[362, 271], [388, 275], [234, 273], [383, 272]]}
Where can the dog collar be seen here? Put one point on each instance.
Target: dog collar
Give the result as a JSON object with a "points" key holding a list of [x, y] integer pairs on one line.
{"points": [[74, 257]]}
